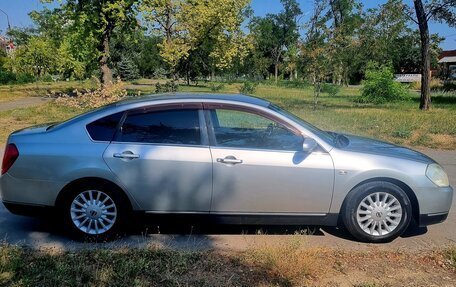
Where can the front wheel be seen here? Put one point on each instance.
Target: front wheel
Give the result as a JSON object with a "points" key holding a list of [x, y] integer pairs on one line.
{"points": [[377, 212], [93, 213]]}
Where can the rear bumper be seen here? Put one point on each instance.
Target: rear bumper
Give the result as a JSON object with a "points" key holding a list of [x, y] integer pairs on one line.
{"points": [[29, 210], [429, 219]]}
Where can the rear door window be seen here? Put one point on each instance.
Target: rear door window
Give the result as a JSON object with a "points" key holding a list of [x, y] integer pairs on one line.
{"points": [[179, 126]]}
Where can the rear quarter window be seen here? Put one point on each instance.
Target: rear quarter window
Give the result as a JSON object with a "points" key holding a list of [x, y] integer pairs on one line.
{"points": [[104, 129]]}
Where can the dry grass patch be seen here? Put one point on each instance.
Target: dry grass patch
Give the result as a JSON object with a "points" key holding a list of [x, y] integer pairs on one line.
{"points": [[288, 260]]}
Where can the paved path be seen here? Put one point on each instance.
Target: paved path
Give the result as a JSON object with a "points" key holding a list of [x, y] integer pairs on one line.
{"points": [[41, 234], [23, 103]]}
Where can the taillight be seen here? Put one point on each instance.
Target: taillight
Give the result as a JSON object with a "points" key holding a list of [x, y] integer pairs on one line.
{"points": [[10, 156]]}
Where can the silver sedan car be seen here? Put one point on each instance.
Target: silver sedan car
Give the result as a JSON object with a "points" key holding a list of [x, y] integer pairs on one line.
{"points": [[229, 159]]}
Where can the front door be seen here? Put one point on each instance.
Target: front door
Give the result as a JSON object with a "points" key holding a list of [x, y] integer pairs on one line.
{"points": [[162, 161], [259, 167]]}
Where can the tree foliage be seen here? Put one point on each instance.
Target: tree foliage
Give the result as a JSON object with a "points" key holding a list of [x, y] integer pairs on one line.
{"points": [[208, 32], [200, 39], [275, 34]]}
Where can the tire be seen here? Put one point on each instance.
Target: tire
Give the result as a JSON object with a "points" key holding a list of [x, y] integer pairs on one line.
{"points": [[94, 212], [371, 214]]}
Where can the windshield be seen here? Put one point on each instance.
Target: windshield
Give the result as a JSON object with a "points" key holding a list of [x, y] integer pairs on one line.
{"points": [[326, 136]]}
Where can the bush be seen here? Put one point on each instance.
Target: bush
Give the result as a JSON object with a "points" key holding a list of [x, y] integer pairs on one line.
{"points": [[331, 89], [168, 87], [7, 77], [380, 86], [248, 88], [216, 87], [25, 78]]}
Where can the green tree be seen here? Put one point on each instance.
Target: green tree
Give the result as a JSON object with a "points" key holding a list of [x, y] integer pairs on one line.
{"points": [[21, 36], [346, 21], [198, 34], [275, 33], [438, 10], [37, 57], [316, 52], [96, 20]]}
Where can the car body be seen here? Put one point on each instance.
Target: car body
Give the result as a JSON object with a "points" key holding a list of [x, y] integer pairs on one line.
{"points": [[229, 158]]}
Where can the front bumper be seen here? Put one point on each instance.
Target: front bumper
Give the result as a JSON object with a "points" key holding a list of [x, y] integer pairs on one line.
{"points": [[433, 200], [434, 204], [428, 219]]}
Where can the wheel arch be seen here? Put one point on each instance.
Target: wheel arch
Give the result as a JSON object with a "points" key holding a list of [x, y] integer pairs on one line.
{"points": [[86, 181], [407, 189]]}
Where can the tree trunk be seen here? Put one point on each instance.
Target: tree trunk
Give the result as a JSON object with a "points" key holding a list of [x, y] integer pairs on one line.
{"points": [[425, 100], [106, 72], [187, 72], [276, 72], [276, 64]]}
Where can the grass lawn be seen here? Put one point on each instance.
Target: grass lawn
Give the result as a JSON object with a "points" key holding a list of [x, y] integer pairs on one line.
{"points": [[401, 123], [289, 263]]}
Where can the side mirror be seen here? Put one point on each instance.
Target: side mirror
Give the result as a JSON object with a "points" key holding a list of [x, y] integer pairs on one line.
{"points": [[308, 145]]}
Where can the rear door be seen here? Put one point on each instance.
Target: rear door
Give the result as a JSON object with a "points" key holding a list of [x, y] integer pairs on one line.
{"points": [[162, 158]]}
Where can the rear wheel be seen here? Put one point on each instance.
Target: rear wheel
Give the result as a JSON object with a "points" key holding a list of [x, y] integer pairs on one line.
{"points": [[377, 212], [94, 212]]}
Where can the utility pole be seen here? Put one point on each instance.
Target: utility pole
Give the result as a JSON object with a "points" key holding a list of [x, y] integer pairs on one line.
{"points": [[7, 19]]}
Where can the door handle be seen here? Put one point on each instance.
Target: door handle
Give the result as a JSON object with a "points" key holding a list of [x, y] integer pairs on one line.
{"points": [[229, 160], [126, 155]]}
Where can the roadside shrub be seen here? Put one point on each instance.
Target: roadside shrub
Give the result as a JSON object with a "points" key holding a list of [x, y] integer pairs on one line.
{"points": [[168, 87], [331, 89], [98, 97], [7, 77], [380, 86], [215, 87], [248, 88], [10, 78], [25, 78]]}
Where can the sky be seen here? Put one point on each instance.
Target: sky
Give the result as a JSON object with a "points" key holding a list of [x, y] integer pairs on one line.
{"points": [[18, 10]]}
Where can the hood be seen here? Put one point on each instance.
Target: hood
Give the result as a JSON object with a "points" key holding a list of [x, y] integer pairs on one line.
{"points": [[372, 146]]}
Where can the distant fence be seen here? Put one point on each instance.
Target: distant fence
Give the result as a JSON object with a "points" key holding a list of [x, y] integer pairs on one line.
{"points": [[407, 78]]}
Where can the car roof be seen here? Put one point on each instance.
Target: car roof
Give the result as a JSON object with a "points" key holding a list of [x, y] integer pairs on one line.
{"points": [[195, 96]]}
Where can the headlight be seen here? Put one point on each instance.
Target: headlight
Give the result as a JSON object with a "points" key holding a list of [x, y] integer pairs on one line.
{"points": [[437, 175]]}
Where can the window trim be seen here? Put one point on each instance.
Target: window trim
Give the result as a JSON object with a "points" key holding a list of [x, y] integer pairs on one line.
{"points": [[210, 127], [198, 106]]}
